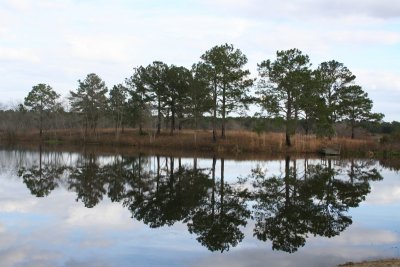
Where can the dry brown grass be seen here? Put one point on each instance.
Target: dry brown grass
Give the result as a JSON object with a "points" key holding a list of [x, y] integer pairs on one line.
{"points": [[235, 142], [379, 263]]}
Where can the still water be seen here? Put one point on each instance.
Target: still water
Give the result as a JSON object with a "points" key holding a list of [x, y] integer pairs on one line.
{"points": [[87, 209]]}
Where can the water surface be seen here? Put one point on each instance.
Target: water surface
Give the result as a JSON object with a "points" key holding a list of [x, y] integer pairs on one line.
{"points": [[86, 209]]}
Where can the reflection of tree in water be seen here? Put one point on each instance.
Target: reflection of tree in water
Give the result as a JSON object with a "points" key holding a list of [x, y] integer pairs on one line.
{"points": [[280, 210], [217, 219], [334, 196], [160, 191], [392, 164], [87, 179], [171, 194], [289, 209], [121, 174], [43, 178]]}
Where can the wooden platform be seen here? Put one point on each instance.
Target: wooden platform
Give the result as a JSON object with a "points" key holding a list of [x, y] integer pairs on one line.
{"points": [[328, 151]]}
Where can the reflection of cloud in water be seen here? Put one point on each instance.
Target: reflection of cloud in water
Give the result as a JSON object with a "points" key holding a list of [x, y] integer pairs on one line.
{"points": [[21, 205], [354, 244], [28, 256], [261, 257], [58, 226], [312, 258], [358, 236], [103, 215], [387, 192], [388, 195]]}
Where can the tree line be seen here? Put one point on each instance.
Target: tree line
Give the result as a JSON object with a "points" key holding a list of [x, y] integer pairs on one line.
{"points": [[287, 89]]}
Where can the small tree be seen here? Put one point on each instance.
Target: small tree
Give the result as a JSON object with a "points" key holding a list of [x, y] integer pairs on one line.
{"points": [[281, 85], [228, 81], [332, 76], [199, 97], [118, 105], [141, 97], [177, 81], [355, 107], [90, 100], [310, 102], [154, 81], [41, 100]]}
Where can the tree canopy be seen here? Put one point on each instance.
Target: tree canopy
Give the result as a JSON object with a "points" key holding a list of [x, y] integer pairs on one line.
{"points": [[288, 90], [90, 100], [42, 99]]}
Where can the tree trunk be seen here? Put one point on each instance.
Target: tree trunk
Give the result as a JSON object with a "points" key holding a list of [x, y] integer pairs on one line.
{"points": [[287, 180], [288, 120], [158, 170], [172, 120], [215, 114], [159, 116], [41, 126], [213, 187], [307, 126], [222, 185], [223, 112]]}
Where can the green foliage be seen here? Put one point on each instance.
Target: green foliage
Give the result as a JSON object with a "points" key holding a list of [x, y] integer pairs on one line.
{"points": [[141, 97], [118, 104], [90, 100], [199, 97], [355, 106], [41, 100], [228, 82], [289, 92], [282, 83], [332, 77], [176, 97], [154, 80]]}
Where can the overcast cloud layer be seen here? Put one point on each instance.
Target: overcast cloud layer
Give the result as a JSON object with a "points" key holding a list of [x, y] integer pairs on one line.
{"points": [[59, 42]]}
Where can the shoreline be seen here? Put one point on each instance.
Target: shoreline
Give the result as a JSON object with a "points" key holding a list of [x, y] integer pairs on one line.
{"points": [[237, 142]]}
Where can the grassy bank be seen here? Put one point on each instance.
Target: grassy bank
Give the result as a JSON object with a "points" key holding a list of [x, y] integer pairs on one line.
{"points": [[378, 263], [236, 142]]}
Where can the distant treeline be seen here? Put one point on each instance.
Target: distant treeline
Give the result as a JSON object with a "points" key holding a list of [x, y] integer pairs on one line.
{"points": [[290, 95]]}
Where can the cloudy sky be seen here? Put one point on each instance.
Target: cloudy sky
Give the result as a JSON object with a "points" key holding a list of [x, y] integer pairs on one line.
{"points": [[59, 42]]}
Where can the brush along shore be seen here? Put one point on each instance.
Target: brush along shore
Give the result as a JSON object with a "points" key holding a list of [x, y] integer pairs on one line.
{"points": [[235, 141]]}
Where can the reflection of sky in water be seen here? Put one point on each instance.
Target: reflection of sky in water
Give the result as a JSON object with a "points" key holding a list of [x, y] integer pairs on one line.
{"points": [[58, 231]]}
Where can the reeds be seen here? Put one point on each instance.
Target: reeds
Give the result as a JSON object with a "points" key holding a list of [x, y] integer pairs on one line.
{"points": [[238, 141]]}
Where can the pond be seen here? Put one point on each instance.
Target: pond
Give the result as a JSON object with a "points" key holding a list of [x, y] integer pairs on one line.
{"points": [[92, 209]]}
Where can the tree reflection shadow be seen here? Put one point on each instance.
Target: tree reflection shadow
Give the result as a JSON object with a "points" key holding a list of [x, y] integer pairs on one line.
{"points": [[288, 209], [313, 199], [43, 178], [217, 220], [87, 179]]}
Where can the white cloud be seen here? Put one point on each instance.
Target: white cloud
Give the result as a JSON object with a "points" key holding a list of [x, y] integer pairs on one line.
{"points": [[383, 81], [18, 54], [366, 37], [312, 9], [99, 48], [19, 4]]}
